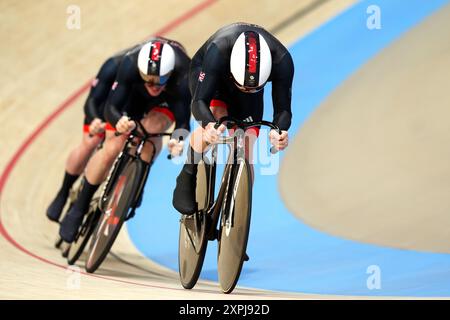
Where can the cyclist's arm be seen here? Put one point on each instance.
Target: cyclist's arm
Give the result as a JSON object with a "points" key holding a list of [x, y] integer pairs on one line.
{"points": [[213, 67], [100, 88], [282, 78], [120, 91]]}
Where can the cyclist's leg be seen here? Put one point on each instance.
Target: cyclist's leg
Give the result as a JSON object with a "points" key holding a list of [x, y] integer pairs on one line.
{"points": [[96, 171], [79, 157], [219, 109], [251, 135], [184, 193], [75, 165], [100, 163], [158, 119]]}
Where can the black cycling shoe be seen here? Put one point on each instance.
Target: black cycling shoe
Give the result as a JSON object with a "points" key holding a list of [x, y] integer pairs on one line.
{"points": [[184, 193], [70, 224], [55, 208]]}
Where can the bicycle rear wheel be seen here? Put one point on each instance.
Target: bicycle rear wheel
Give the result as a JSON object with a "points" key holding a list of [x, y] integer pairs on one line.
{"points": [[235, 227], [119, 203], [192, 240], [87, 228]]}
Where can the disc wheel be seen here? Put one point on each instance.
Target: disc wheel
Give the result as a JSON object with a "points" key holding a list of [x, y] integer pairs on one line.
{"points": [[121, 198], [192, 241], [235, 227]]}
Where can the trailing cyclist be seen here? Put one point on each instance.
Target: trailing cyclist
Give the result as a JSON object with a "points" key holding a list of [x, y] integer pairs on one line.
{"points": [[93, 131], [151, 86]]}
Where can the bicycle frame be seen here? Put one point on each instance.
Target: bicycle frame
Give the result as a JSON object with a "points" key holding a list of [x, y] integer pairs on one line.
{"points": [[138, 133], [197, 229], [236, 156]]}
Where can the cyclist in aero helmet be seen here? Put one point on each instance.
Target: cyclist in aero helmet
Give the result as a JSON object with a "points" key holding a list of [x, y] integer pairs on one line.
{"points": [[227, 77], [151, 86]]}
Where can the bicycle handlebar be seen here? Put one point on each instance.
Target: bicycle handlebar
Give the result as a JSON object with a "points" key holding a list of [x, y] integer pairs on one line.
{"points": [[169, 156], [244, 125], [140, 132]]}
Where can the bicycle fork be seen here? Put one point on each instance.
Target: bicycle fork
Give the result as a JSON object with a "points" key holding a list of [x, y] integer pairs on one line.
{"points": [[238, 157]]}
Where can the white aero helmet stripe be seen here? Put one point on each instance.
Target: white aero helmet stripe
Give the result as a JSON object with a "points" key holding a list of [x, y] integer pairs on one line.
{"points": [[265, 61], [144, 57], [237, 59], [167, 60]]}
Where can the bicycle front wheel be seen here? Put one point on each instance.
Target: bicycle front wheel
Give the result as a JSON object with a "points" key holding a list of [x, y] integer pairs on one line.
{"points": [[119, 203], [192, 240], [235, 227]]}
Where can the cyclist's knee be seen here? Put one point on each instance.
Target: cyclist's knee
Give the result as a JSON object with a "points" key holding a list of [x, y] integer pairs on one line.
{"points": [[251, 136], [219, 111], [112, 146], [156, 122], [91, 143], [197, 140], [149, 153]]}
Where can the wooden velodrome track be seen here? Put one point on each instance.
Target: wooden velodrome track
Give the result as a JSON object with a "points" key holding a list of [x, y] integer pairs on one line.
{"points": [[45, 66]]}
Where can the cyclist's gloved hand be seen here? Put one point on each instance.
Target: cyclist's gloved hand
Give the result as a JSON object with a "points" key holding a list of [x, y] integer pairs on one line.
{"points": [[211, 134], [175, 147], [125, 125], [96, 126], [279, 141]]}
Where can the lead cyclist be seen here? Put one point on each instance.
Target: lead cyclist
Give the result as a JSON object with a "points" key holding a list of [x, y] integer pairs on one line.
{"points": [[227, 77]]}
